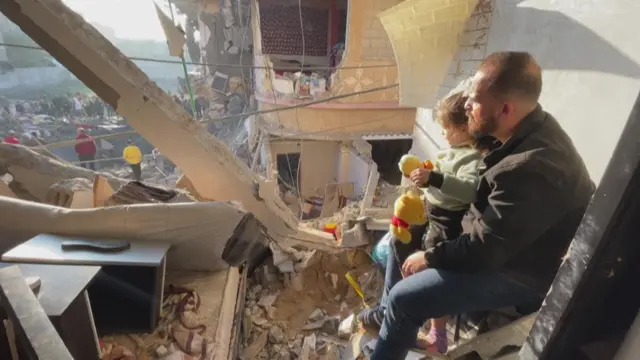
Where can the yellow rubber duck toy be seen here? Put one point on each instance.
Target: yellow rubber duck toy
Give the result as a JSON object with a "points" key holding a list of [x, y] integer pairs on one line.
{"points": [[409, 209], [408, 163]]}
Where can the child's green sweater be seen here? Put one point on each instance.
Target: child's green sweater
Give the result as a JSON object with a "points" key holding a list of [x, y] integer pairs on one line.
{"points": [[456, 173]]}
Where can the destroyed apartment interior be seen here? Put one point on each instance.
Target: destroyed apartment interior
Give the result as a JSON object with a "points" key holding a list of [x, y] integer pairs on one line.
{"points": [[226, 184]]}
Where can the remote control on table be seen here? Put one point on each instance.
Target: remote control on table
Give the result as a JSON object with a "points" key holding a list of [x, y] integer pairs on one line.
{"points": [[108, 246]]}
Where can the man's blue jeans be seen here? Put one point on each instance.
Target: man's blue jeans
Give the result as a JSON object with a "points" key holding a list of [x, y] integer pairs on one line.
{"points": [[434, 293]]}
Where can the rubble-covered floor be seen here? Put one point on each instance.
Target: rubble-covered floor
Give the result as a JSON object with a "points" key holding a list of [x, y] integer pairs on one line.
{"points": [[297, 315], [162, 344]]}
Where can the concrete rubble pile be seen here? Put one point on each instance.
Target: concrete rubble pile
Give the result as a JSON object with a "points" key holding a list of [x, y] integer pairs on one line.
{"points": [[300, 305]]}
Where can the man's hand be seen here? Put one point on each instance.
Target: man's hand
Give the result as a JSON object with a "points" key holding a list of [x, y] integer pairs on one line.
{"points": [[414, 263], [420, 176]]}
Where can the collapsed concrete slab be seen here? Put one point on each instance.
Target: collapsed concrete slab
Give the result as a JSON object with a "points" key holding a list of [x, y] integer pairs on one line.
{"points": [[6, 191], [71, 193], [214, 171], [34, 174], [198, 232]]}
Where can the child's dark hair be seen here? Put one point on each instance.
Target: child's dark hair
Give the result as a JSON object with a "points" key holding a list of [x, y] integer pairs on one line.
{"points": [[450, 110]]}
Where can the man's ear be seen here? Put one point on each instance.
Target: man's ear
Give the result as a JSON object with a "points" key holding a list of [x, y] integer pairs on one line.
{"points": [[507, 109]]}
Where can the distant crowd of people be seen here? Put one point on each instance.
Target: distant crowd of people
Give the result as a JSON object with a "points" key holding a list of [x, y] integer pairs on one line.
{"points": [[30, 139], [63, 106], [86, 150]]}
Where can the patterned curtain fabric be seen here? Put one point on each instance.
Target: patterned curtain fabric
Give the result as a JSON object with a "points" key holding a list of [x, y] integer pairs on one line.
{"points": [[281, 35]]}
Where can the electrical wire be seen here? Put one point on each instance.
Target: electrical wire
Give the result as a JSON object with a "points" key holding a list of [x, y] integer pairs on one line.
{"points": [[329, 131], [280, 68], [71, 142], [304, 50], [307, 103]]}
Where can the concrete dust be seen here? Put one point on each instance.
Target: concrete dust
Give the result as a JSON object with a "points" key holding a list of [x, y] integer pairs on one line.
{"points": [[300, 311]]}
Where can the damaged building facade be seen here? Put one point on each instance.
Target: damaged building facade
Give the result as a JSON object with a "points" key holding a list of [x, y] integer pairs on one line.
{"points": [[425, 46], [344, 50]]}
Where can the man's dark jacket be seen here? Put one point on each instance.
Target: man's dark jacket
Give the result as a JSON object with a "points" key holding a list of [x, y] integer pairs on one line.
{"points": [[531, 198]]}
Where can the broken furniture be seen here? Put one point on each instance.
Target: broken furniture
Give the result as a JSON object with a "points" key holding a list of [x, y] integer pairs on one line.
{"points": [[497, 343], [64, 298], [247, 245], [134, 277], [29, 323]]}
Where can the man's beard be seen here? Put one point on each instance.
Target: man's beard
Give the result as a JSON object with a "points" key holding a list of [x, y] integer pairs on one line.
{"points": [[486, 128]]}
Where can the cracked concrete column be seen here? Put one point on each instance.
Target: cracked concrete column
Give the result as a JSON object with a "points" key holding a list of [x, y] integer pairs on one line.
{"points": [[214, 171]]}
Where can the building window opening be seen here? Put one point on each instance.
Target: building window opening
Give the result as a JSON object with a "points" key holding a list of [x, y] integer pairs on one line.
{"points": [[386, 154], [288, 166]]}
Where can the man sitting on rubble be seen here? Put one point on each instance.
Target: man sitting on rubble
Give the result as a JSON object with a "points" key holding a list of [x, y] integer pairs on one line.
{"points": [[531, 198]]}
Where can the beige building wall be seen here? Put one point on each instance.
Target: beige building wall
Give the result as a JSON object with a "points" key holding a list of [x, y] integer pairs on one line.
{"points": [[426, 35], [318, 162], [367, 45], [327, 122], [472, 49]]}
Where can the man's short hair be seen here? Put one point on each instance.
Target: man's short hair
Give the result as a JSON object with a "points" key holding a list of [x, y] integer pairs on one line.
{"points": [[513, 73]]}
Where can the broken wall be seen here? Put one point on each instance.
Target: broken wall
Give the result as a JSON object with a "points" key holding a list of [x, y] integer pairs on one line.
{"points": [[353, 168], [590, 56], [225, 36], [318, 162], [367, 44], [425, 35], [197, 231]]}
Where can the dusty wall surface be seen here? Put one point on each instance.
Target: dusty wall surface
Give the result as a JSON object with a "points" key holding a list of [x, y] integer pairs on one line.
{"points": [[590, 54], [325, 122], [318, 162], [262, 83], [425, 35], [367, 44], [353, 168]]}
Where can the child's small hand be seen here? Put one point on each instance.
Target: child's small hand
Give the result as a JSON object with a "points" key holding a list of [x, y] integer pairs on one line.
{"points": [[420, 176]]}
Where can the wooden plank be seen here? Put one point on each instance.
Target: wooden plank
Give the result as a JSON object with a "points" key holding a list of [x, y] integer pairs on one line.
{"points": [[222, 342], [101, 191], [29, 319], [333, 194], [236, 332], [605, 242], [313, 239], [370, 190]]}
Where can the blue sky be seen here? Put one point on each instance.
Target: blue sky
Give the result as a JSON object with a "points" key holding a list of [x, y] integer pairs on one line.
{"points": [[130, 19]]}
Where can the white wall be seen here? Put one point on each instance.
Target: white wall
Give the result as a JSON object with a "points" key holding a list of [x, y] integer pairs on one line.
{"points": [[590, 53], [358, 172]]}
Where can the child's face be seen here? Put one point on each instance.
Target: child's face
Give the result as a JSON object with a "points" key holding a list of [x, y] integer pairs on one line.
{"points": [[456, 135]]}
